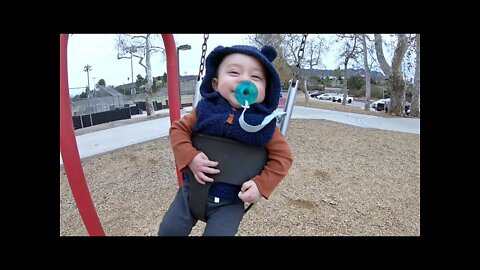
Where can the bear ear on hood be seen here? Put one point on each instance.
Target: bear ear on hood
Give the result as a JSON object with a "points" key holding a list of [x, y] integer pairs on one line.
{"points": [[269, 52]]}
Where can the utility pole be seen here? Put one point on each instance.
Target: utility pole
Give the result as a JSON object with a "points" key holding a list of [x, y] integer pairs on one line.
{"points": [[131, 67], [87, 69], [180, 48], [94, 101]]}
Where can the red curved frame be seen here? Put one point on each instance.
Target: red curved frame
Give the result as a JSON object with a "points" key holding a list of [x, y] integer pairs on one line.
{"points": [[68, 143]]}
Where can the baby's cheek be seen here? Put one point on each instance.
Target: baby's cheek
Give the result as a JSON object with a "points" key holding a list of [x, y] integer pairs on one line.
{"points": [[260, 98]]}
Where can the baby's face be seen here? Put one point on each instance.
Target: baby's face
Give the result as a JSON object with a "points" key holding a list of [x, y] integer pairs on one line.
{"points": [[237, 67]]}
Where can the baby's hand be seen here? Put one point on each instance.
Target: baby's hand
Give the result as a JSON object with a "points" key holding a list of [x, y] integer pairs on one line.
{"points": [[249, 192], [200, 165]]}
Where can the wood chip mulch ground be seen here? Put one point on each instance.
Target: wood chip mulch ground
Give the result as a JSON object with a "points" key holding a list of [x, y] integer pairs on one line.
{"points": [[345, 181]]}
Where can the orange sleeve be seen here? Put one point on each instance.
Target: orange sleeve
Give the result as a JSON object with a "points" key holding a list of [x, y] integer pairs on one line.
{"points": [[180, 140], [280, 160]]}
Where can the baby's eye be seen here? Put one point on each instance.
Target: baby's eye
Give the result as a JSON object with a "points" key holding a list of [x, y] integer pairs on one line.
{"points": [[257, 77], [233, 72]]}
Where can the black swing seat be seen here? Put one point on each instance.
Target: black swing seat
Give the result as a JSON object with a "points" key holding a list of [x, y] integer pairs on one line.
{"points": [[237, 163]]}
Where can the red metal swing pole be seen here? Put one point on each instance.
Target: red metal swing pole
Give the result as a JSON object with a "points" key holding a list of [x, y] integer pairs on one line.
{"points": [[69, 151], [68, 143], [172, 81]]}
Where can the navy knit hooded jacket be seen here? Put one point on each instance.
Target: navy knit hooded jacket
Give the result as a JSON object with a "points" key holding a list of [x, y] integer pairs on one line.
{"points": [[213, 109]]}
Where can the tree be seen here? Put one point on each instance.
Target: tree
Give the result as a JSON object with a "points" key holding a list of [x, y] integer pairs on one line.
{"points": [[315, 47], [140, 82], [140, 46], [288, 47], [337, 73], [367, 73], [275, 40], [294, 51], [394, 72], [351, 50], [415, 107], [164, 78], [102, 82], [355, 82]]}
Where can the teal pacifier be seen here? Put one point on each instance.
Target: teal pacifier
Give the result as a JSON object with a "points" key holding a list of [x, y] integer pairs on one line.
{"points": [[246, 91]]}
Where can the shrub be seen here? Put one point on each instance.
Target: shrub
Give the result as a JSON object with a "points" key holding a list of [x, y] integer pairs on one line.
{"points": [[375, 91], [355, 82]]}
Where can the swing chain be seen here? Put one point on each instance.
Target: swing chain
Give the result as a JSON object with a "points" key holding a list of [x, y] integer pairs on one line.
{"points": [[300, 56], [301, 50], [202, 59]]}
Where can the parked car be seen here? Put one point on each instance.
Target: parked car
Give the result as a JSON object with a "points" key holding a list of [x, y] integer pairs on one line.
{"points": [[314, 94], [380, 101], [324, 97], [384, 105], [339, 99]]}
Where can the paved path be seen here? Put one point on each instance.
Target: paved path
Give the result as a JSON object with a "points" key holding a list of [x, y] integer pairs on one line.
{"points": [[107, 140], [408, 125]]}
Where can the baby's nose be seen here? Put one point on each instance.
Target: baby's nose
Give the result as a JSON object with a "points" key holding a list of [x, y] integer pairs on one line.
{"points": [[243, 77]]}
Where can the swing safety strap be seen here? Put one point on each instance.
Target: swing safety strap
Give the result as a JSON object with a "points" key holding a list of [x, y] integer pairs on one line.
{"points": [[239, 164]]}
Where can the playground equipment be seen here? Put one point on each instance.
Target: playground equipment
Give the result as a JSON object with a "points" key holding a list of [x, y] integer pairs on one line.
{"points": [[68, 144]]}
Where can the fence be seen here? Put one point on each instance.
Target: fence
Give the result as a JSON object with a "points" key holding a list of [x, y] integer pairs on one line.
{"points": [[98, 104], [92, 105]]}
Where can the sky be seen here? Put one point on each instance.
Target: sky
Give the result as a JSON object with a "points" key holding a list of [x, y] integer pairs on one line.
{"points": [[98, 51]]}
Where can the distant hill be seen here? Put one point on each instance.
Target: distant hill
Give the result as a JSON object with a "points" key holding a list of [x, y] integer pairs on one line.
{"points": [[350, 72]]}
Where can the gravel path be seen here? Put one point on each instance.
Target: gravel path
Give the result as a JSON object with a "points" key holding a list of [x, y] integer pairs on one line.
{"points": [[345, 181]]}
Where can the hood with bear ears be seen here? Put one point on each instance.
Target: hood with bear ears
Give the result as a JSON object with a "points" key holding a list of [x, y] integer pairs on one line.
{"points": [[266, 56]]}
